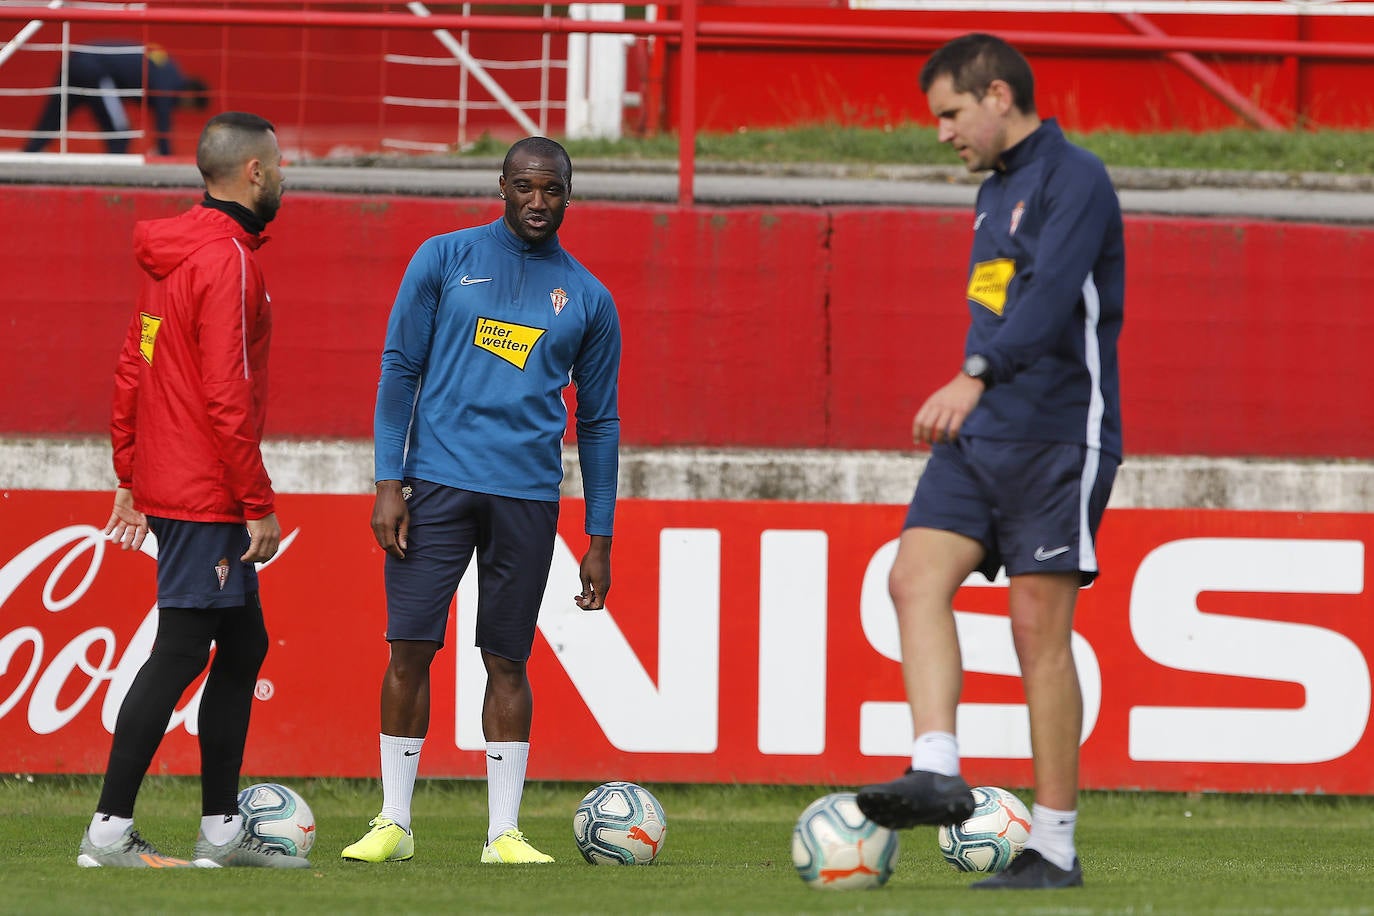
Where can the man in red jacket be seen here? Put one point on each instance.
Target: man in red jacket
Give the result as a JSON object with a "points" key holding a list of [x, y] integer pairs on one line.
{"points": [[189, 404]]}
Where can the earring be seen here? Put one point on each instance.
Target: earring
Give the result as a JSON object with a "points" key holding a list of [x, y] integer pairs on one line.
{"points": [[503, 195]]}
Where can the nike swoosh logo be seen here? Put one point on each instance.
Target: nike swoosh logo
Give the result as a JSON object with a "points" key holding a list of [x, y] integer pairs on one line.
{"points": [[410, 753], [1041, 554], [468, 281], [496, 757]]}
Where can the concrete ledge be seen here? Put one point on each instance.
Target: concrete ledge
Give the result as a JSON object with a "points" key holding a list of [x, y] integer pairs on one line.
{"points": [[345, 467], [1305, 197]]}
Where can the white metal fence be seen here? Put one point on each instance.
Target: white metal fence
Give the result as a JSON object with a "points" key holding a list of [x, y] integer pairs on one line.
{"points": [[593, 69]]}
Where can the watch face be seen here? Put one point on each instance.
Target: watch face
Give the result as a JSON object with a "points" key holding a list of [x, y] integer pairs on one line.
{"points": [[976, 366]]}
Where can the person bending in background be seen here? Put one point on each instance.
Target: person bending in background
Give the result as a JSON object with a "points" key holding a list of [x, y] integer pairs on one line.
{"points": [[1025, 442], [189, 407], [103, 68], [488, 327]]}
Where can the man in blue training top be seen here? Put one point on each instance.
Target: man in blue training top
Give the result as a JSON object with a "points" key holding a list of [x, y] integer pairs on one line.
{"points": [[1025, 442], [489, 326], [95, 74]]}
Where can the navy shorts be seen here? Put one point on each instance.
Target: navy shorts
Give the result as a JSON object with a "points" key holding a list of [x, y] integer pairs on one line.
{"points": [[514, 541], [198, 564], [1034, 506]]}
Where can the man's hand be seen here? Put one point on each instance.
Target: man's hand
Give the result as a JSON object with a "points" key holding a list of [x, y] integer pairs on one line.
{"points": [[944, 412], [595, 571], [127, 526], [264, 537], [391, 519]]}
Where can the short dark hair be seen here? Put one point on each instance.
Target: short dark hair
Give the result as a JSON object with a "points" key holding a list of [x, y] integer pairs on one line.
{"points": [[229, 140], [973, 61], [538, 146], [195, 93]]}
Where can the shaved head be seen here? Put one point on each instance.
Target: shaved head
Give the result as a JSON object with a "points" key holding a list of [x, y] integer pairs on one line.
{"points": [[230, 140], [541, 148], [536, 184]]}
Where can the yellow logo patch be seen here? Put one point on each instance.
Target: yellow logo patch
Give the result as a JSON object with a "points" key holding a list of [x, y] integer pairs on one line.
{"points": [[988, 284], [148, 325], [511, 342]]}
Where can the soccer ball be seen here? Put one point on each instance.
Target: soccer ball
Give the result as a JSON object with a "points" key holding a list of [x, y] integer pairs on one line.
{"points": [[994, 834], [619, 823], [835, 847], [279, 817]]}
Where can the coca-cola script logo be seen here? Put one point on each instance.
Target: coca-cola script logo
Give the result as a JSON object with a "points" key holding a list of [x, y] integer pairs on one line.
{"points": [[60, 680]]}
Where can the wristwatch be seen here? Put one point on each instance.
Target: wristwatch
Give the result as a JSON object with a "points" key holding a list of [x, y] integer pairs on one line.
{"points": [[977, 366]]}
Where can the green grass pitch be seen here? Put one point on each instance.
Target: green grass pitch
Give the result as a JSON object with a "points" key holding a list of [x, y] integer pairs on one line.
{"points": [[727, 851]]}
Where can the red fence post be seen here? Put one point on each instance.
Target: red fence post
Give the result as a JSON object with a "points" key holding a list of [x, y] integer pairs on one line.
{"points": [[687, 108]]}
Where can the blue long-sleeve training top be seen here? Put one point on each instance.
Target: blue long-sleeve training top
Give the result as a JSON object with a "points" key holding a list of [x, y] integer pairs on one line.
{"points": [[486, 332], [1047, 278]]}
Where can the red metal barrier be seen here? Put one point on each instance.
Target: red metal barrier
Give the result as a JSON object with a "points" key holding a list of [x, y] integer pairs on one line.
{"points": [[801, 34], [770, 327], [690, 30]]}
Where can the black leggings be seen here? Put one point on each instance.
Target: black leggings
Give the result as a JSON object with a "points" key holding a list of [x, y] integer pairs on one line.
{"points": [[179, 655]]}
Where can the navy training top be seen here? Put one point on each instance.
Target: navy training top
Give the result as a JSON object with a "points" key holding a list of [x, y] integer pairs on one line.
{"points": [[1047, 278], [486, 332]]}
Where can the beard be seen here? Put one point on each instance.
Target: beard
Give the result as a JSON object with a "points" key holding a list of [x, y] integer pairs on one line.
{"points": [[267, 204]]}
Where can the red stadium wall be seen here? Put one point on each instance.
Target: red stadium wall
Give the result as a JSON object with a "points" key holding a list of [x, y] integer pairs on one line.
{"points": [[768, 327], [324, 87], [762, 84]]}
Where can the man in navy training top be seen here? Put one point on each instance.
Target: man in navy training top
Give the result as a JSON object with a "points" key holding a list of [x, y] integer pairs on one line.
{"points": [[489, 326], [101, 69], [1025, 442]]}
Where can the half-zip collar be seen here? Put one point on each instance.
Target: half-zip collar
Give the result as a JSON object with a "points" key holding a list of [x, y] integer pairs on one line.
{"points": [[516, 245], [1044, 136]]}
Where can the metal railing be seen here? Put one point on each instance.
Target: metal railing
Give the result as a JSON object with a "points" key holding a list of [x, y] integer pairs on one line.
{"points": [[687, 34]]}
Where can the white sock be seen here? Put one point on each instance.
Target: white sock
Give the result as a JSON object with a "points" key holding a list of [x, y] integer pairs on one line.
{"points": [[220, 828], [106, 828], [1052, 835], [506, 761], [937, 752], [400, 763]]}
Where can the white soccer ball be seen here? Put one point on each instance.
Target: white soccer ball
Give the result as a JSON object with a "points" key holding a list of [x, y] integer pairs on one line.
{"points": [[994, 834], [279, 817], [835, 847], [619, 823]]}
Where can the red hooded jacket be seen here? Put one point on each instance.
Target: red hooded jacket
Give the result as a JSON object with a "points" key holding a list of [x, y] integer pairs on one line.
{"points": [[190, 394]]}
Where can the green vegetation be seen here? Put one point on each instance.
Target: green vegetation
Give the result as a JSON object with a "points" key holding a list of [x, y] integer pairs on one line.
{"points": [[1348, 152], [727, 851], [1334, 151]]}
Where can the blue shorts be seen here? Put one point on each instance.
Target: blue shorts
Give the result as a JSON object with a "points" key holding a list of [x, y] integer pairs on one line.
{"points": [[514, 541], [198, 564], [1034, 506]]}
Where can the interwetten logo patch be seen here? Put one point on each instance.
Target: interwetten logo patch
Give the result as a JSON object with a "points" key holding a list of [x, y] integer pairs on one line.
{"points": [[511, 342], [148, 326], [988, 284]]}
